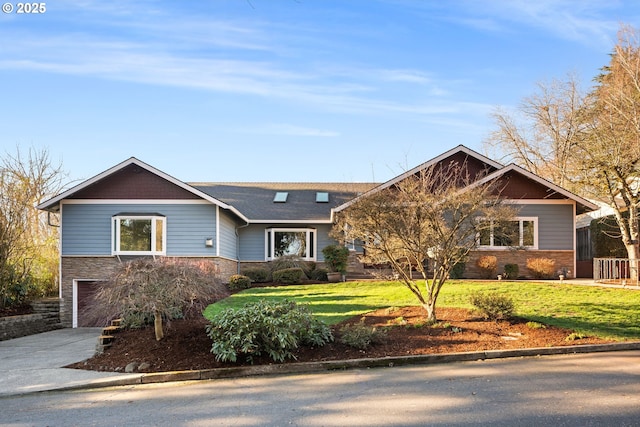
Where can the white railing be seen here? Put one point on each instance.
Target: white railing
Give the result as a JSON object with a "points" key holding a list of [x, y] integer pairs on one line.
{"points": [[622, 271]]}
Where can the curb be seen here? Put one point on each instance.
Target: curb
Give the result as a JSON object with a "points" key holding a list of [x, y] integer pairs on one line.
{"points": [[334, 365]]}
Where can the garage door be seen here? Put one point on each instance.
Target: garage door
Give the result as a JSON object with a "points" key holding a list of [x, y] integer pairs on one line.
{"points": [[85, 294]]}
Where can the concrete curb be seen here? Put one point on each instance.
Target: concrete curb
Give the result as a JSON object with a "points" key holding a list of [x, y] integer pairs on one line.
{"points": [[332, 365]]}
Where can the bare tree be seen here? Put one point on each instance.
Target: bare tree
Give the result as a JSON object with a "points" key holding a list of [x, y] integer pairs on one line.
{"points": [[609, 150], [28, 246], [432, 217], [589, 144], [543, 136], [163, 289]]}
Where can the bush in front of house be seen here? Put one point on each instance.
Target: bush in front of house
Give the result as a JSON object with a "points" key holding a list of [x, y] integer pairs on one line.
{"points": [[361, 336], [488, 264], [147, 290], [257, 274], [457, 272], [238, 282], [291, 261], [541, 268], [511, 271], [289, 276], [492, 306], [319, 274], [272, 328]]}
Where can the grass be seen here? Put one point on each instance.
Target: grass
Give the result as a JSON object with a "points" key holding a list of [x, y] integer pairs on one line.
{"points": [[602, 312]]}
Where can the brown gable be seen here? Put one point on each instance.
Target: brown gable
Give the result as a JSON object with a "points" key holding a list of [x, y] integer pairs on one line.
{"points": [[513, 185], [133, 182]]}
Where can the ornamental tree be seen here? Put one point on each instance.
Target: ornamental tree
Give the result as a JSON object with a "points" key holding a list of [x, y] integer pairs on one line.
{"points": [[423, 225]]}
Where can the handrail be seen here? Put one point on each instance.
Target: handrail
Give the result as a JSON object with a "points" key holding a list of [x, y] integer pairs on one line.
{"points": [[622, 271]]}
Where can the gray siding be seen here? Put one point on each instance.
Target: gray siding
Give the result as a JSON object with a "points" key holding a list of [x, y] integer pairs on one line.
{"points": [[86, 228], [323, 240], [228, 240], [555, 225], [252, 243]]}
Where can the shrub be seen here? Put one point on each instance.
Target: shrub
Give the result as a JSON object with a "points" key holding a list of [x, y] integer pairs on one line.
{"points": [[276, 329], [541, 268], [492, 306], [536, 325], [457, 272], [511, 271], [336, 257], [162, 289], [573, 336], [257, 274], [488, 264], [289, 276], [360, 336], [319, 274], [238, 282], [290, 261]]}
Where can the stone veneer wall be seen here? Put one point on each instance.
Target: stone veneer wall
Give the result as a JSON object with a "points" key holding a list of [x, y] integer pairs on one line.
{"points": [[99, 268], [564, 259], [46, 317]]}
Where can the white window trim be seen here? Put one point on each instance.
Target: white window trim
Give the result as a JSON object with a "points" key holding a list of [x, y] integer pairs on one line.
{"points": [[271, 250], [521, 220], [115, 233]]}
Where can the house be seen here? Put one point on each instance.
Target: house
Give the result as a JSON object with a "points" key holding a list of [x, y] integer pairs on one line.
{"points": [[133, 209]]}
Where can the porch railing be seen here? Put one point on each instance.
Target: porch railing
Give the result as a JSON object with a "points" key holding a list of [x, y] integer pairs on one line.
{"points": [[621, 271]]}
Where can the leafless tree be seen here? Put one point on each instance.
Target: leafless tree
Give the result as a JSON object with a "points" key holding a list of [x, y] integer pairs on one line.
{"points": [[588, 143], [423, 225], [543, 134]]}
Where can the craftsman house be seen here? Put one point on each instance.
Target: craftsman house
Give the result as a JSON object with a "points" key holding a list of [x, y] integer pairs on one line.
{"points": [[133, 209]]}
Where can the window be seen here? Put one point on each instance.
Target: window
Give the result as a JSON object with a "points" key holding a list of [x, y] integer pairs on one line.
{"points": [[322, 197], [522, 232], [290, 241], [139, 234], [280, 197]]}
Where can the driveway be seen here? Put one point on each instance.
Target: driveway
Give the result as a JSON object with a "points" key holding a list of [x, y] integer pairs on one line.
{"points": [[35, 362]]}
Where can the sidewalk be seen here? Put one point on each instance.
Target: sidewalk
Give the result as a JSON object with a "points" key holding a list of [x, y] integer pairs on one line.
{"points": [[34, 363]]}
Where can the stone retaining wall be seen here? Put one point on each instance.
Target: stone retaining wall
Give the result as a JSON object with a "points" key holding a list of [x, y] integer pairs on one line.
{"points": [[46, 317]]}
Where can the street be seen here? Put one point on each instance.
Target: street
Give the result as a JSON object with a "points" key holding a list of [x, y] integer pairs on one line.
{"points": [[571, 390]]}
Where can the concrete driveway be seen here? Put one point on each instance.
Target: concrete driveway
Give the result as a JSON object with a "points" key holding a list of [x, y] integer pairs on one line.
{"points": [[35, 363]]}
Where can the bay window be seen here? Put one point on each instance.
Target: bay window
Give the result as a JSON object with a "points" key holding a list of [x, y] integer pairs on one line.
{"points": [[299, 242], [139, 234]]}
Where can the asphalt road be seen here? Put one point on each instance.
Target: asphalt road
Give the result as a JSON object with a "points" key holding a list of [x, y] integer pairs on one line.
{"points": [[601, 389]]}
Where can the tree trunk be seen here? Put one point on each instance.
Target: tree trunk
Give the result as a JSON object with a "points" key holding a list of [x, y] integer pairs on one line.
{"points": [[431, 312], [632, 254], [157, 324]]}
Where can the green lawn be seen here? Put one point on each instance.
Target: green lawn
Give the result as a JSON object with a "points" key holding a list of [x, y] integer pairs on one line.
{"points": [[603, 312]]}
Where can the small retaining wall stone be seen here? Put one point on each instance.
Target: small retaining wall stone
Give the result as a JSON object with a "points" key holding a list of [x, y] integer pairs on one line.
{"points": [[46, 317]]}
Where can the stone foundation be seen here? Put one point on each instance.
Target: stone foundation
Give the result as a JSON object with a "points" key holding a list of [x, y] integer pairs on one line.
{"points": [[564, 259]]}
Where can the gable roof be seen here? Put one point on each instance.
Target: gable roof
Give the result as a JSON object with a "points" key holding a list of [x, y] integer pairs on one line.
{"points": [[256, 199], [555, 191], [494, 171], [53, 204], [460, 152]]}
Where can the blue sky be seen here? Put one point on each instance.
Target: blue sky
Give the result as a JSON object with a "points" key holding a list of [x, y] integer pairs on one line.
{"points": [[283, 90]]}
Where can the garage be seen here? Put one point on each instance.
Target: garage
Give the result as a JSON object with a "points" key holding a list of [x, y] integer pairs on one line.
{"points": [[84, 298]]}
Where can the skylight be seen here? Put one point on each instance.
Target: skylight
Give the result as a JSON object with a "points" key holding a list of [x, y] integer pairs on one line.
{"points": [[322, 197], [280, 197]]}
